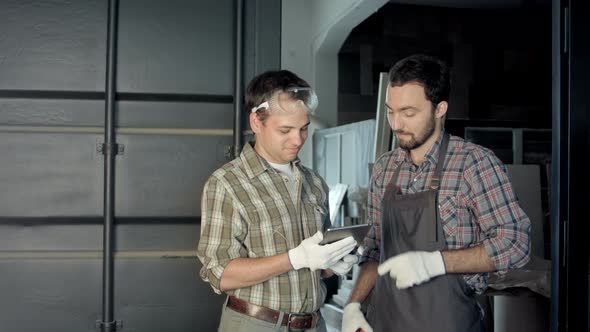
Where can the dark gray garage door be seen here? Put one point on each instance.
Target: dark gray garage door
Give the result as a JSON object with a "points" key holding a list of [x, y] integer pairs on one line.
{"points": [[174, 117]]}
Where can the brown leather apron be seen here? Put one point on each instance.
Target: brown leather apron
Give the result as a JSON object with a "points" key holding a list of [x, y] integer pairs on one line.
{"points": [[445, 303]]}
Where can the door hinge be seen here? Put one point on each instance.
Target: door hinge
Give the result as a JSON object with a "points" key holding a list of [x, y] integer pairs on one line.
{"points": [[228, 152], [107, 148], [108, 326]]}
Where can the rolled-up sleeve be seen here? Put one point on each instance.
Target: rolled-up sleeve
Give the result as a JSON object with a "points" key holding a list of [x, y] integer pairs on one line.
{"points": [[500, 218], [220, 229]]}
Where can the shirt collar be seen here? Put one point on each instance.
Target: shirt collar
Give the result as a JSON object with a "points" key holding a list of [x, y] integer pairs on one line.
{"points": [[254, 163], [432, 154]]}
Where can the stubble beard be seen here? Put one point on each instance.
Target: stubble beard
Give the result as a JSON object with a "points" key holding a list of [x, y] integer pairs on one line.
{"points": [[416, 141]]}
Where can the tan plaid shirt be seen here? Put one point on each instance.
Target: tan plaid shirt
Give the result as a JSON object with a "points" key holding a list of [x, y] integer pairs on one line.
{"points": [[247, 212]]}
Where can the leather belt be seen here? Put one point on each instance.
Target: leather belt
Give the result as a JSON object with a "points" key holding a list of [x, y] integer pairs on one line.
{"points": [[298, 321]]}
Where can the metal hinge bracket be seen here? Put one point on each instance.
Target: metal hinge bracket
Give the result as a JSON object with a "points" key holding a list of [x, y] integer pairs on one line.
{"points": [[101, 326], [228, 152], [105, 148]]}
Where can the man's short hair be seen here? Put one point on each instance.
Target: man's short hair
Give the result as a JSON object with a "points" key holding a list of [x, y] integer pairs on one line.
{"points": [[262, 87], [431, 73]]}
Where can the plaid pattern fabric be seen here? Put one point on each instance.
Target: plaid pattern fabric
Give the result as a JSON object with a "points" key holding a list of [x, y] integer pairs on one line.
{"points": [[476, 203], [247, 212]]}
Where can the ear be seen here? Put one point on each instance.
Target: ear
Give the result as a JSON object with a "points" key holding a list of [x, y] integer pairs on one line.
{"points": [[441, 109], [255, 123]]}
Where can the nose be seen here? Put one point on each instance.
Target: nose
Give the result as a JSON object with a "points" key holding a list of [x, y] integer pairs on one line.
{"points": [[394, 121], [298, 138]]}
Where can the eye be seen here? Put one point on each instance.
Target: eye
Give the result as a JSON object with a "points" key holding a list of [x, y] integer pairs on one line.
{"points": [[409, 114], [284, 131], [304, 128]]}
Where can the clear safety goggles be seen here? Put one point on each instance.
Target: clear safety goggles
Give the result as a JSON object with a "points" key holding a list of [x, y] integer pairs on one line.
{"points": [[304, 95]]}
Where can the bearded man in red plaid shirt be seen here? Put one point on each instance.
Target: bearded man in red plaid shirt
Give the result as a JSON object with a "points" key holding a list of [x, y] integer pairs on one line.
{"points": [[443, 216]]}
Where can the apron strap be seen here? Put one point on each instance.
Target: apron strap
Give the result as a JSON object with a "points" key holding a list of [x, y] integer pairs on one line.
{"points": [[396, 174], [435, 182], [442, 152]]}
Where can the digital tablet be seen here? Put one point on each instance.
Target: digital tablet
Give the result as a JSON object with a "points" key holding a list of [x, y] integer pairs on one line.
{"points": [[358, 232]]}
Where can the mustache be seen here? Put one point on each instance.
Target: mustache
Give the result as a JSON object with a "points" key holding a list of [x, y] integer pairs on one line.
{"points": [[401, 132]]}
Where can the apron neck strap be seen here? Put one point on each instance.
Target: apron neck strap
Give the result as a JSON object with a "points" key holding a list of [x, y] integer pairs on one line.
{"points": [[442, 152]]}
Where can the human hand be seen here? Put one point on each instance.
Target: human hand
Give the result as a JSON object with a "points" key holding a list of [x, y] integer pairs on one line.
{"points": [[344, 265], [314, 256], [353, 319], [413, 267]]}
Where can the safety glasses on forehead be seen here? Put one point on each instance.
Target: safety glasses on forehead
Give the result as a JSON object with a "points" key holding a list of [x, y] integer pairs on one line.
{"points": [[303, 94]]}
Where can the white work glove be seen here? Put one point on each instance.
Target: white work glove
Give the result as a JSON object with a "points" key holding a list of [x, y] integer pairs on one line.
{"points": [[413, 267], [315, 256], [344, 265], [353, 319]]}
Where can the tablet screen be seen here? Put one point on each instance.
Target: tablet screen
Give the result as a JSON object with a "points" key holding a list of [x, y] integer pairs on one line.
{"points": [[358, 232]]}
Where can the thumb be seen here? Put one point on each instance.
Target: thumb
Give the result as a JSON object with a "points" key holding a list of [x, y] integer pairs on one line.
{"points": [[385, 267], [351, 259], [316, 238], [340, 267]]}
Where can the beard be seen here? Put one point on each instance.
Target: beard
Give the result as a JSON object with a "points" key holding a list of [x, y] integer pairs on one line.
{"points": [[416, 140]]}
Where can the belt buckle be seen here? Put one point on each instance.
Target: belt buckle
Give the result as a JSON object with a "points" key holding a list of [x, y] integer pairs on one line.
{"points": [[312, 321]]}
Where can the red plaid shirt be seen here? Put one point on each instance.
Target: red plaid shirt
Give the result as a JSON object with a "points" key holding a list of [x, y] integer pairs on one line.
{"points": [[476, 203]]}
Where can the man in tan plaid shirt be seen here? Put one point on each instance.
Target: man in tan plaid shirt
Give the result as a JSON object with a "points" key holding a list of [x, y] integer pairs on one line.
{"points": [[263, 215]]}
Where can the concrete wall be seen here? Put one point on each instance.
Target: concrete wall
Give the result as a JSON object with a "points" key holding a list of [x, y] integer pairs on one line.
{"points": [[312, 34]]}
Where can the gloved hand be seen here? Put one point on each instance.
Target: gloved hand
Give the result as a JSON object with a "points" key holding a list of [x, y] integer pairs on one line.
{"points": [[344, 265], [413, 267], [315, 256], [353, 319]]}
